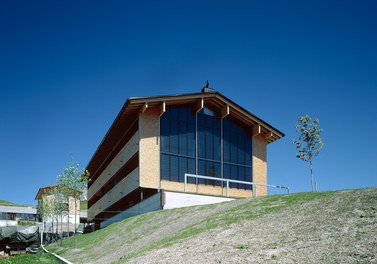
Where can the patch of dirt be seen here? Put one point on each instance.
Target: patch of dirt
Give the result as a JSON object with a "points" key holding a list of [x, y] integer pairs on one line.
{"points": [[340, 228], [162, 224]]}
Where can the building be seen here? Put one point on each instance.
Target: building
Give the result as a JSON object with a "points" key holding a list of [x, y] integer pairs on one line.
{"points": [[140, 164], [10, 215], [47, 195]]}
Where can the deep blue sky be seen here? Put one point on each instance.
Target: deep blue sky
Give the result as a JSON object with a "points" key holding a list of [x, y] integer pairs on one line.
{"points": [[67, 67]]}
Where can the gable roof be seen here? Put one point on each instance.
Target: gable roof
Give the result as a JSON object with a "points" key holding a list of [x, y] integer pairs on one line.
{"points": [[212, 99], [48, 189]]}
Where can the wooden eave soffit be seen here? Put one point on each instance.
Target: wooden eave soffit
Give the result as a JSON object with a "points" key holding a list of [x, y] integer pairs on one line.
{"points": [[257, 130], [143, 108], [225, 111], [268, 135], [162, 108], [199, 105]]}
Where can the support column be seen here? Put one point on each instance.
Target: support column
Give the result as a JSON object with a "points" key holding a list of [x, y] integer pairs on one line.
{"points": [[260, 163]]}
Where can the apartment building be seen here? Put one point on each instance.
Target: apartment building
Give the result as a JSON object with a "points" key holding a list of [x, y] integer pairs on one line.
{"points": [[141, 163]]}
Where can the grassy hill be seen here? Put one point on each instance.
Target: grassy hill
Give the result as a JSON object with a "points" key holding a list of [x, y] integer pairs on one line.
{"points": [[323, 227], [6, 203]]}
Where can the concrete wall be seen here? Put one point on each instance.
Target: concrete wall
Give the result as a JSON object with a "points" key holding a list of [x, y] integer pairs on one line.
{"points": [[124, 187], [153, 203], [149, 149], [169, 200], [260, 163], [178, 200], [120, 159]]}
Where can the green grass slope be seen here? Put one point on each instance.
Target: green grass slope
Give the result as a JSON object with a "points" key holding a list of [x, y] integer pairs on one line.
{"points": [[322, 227], [6, 203], [30, 259]]}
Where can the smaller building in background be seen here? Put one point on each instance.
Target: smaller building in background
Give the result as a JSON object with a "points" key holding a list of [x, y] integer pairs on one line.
{"points": [[70, 218], [10, 215]]}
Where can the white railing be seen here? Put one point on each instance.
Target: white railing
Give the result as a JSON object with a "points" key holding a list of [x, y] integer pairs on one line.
{"points": [[227, 181]]}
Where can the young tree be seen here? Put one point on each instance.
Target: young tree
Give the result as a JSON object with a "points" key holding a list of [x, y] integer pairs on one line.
{"points": [[60, 204], [309, 144], [74, 180]]}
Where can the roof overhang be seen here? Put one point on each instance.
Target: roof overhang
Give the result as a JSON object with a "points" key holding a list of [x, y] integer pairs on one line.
{"points": [[222, 105], [215, 100], [48, 189]]}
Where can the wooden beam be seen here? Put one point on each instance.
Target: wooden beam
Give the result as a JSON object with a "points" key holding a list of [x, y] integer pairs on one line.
{"points": [[268, 135], [225, 111], [256, 130], [199, 106], [162, 108], [143, 108]]}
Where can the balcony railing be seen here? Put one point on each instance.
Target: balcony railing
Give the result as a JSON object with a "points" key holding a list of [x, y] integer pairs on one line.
{"points": [[227, 181]]}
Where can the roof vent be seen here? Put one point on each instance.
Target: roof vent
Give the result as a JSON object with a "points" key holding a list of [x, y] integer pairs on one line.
{"points": [[207, 89]]}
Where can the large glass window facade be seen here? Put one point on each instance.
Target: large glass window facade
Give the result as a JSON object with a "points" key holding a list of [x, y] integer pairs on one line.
{"points": [[223, 148], [178, 145]]}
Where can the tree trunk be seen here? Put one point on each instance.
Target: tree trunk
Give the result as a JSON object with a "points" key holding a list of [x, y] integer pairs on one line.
{"points": [[61, 228], [311, 175], [68, 217], [75, 222]]}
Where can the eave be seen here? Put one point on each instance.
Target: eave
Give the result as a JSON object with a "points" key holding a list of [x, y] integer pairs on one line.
{"points": [[214, 100]]}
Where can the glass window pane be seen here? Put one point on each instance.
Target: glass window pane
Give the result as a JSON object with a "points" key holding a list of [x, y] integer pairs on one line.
{"points": [[182, 168], [165, 166], [183, 138], [226, 143], [217, 140], [233, 148], [201, 136], [241, 176], [174, 136], [201, 170], [174, 113], [191, 140], [191, 169], [183, 113], [209, 143], [226, 171], [234, 175], [218, 172], [174, 171], [241, 147]]}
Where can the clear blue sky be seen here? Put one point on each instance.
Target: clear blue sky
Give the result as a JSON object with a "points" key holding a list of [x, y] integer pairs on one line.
{"points": [[67, 67]]}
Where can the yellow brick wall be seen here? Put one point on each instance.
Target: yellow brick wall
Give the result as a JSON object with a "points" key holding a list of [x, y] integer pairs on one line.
{"points": [[204, 189], [260, 163], [149, 150]]}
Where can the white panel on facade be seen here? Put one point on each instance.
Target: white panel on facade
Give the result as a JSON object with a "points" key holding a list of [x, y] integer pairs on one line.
{"points": [[150, 204], [177, 200]]}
